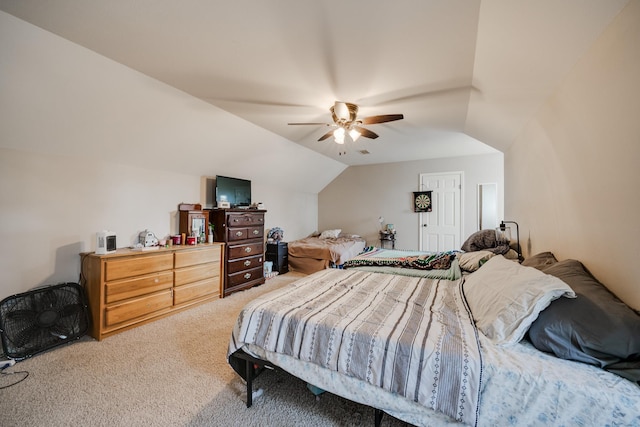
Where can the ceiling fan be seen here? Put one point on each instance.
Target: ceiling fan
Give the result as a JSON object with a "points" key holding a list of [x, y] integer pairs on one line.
{"points": [[345, 120]]}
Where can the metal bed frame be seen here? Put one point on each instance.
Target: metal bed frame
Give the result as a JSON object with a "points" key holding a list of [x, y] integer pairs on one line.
{"points": [[255, 366]]}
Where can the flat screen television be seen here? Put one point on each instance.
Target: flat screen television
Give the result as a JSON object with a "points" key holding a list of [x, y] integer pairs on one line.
{"points": [[236, 191]]}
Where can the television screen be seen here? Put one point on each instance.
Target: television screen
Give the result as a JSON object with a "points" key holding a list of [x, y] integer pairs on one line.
{"points": [[236, 191]]}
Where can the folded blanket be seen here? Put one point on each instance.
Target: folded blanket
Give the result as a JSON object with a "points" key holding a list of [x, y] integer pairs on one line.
{"points": [[379, 257]]}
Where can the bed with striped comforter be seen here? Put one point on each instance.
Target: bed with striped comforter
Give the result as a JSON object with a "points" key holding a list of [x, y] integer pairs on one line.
{"points": [[413, 337]]}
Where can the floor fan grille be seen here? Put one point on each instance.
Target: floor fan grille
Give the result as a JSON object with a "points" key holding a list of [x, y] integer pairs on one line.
{"points": [[37, 320]]}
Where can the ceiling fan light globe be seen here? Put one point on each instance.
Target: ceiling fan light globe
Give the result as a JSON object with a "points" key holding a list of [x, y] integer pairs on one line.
{"points": [[354, 134], [341, 110], [338, 134]]}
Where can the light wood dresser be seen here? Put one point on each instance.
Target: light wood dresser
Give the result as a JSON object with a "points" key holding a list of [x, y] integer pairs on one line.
{"points": [[128, 288]]}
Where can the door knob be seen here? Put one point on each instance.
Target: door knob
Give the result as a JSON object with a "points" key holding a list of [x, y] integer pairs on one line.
{"points": [[425, 225]]}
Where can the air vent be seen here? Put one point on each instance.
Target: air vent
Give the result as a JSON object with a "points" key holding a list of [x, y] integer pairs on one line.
{"points": [[364, 152]]}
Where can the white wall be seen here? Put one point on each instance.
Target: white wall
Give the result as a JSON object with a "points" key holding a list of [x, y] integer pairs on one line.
{"points": [[572, 175], [87, 144], [361, 194]]}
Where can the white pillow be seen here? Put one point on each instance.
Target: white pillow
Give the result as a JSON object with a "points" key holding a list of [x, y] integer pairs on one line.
{"points": [[471, 261], [506, 297], [330, 234]]}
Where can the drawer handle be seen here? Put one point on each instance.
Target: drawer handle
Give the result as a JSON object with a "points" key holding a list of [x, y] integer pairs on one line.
{"points": [[247, 276], [256, 231], [247, 249], [238, 233], [247, 263]]}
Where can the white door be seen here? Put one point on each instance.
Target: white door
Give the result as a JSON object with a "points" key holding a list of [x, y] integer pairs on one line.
{"points": [[440, 229]]}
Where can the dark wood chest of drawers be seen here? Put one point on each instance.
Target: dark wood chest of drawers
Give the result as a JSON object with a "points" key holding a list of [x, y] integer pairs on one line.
{"points": [[278, 253], [243, 232]]}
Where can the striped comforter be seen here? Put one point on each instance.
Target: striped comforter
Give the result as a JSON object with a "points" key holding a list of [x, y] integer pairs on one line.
{"points": [[411, 336]]}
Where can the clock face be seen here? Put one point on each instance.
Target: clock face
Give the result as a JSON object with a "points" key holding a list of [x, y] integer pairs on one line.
{"points": [[422, 201]]}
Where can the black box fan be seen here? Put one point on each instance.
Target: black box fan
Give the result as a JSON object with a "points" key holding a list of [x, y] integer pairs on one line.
{"points": [[42, 318]]}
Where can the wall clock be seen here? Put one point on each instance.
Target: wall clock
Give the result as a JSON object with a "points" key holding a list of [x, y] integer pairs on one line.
{"points": [[422, 201]]}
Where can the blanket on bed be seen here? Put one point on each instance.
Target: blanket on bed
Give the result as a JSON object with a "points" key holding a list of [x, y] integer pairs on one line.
{"points": [[379, 257], [336, 250], [410, 336]]}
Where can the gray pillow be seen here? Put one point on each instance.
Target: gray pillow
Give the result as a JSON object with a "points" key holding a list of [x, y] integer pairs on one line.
{"points": [[484, 240], [540, 261], [595, 327]]}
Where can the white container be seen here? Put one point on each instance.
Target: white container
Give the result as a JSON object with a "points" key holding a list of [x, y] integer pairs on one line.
{"points": [[268, 267]]}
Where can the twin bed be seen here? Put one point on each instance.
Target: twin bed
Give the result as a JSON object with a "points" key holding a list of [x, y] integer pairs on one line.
{"points": [[328, 249], [449, 338]]}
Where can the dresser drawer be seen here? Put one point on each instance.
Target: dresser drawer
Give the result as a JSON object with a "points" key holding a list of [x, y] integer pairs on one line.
{"points": [[129, 288], [245, 276], [187, 275], [245, 219], [124, 311], [136, 266], [196, 290], [237, 234], [200, 256], [255, 232], [244, 233], [246, 250], [244, 264]]}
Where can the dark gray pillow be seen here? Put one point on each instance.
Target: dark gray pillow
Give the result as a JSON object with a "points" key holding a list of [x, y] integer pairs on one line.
{"points": [[540, 261], [484, 240], [595, 327]]}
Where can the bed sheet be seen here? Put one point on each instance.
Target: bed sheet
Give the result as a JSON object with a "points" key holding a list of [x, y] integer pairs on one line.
{"points": [[521, 386], [307, 265]]}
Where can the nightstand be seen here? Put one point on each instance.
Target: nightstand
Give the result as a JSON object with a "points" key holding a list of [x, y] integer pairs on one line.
{"points": [[387, 237], [278, 254]]}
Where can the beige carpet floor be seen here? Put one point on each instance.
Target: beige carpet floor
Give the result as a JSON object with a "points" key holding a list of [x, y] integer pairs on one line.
{"points": [[172, 372]]}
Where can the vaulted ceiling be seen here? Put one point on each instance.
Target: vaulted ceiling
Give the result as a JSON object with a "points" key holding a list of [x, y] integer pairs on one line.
{"points": [[466, 74]]}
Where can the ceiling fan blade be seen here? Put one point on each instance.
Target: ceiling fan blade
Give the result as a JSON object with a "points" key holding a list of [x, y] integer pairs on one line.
{"points": [[315, 124], [366, 132], [326, 135], [382, 119], [254, 101], [418, 93]]}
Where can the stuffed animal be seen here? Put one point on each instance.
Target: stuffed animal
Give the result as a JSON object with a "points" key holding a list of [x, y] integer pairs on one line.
{"points": [[147, 239], [276, 234]]}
